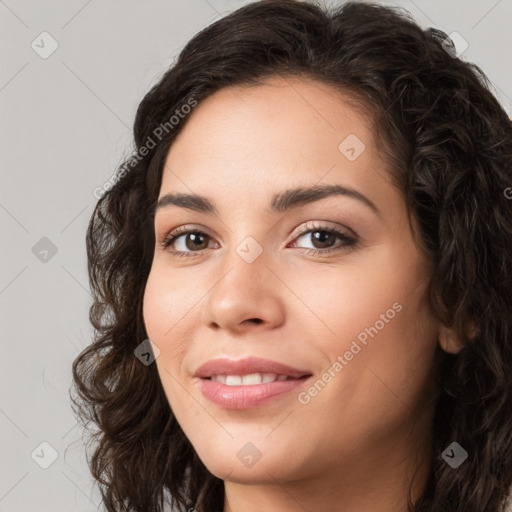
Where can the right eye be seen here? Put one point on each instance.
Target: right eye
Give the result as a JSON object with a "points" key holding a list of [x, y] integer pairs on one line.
{"points": [[193, 241]]}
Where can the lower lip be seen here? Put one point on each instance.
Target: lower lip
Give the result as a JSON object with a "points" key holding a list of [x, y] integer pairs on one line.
{"points": [[247, 397]]}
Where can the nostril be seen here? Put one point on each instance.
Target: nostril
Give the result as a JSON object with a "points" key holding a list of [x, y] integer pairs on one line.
{"points": [[256, 320]]}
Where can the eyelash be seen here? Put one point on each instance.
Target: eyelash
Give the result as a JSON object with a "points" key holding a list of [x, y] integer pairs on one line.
{"points": [[349, 242]]}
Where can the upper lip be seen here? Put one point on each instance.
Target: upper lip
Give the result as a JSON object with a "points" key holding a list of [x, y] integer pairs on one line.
{"points": [[224, 366]]}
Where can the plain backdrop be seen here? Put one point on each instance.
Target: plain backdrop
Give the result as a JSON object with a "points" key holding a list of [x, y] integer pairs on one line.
{"points": [[66, 120]]}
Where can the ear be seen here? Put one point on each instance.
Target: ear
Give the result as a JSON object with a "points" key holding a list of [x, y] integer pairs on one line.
{"points": [[448, 340]]}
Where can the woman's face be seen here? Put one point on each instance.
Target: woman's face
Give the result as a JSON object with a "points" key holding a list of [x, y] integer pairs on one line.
{"points": [[329, 284]]}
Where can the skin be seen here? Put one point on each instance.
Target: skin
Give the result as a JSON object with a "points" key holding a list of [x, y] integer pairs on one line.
{"points": [[363, 436]]}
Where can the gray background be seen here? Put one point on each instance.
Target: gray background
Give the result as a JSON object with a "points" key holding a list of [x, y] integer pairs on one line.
{"points": [[66, 125]]}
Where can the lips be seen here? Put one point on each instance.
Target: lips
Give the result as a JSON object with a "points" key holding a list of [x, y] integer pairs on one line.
{"points": [[247, 383], [247, 366]]}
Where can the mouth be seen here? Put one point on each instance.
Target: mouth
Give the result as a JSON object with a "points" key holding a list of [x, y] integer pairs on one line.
{"points": [[247, 383], [248, 367], [250, 379]]}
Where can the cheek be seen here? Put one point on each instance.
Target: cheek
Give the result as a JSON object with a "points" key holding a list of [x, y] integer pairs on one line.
{"points": [[169, 318], [360, 303], [161, 311], [157, 310], [387, 366], [164, 303], [382, 329], [154, 303]]}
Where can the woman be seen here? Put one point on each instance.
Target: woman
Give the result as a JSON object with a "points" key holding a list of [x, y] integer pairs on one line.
{"points": [[302, 278]]}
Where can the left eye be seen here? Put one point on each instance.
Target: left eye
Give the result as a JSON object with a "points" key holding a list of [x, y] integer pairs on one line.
{"points": [[195, 240], [327, 236]]}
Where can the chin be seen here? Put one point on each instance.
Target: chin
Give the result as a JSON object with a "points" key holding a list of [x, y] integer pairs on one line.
{"points": [[243, 461], [262, 472]]}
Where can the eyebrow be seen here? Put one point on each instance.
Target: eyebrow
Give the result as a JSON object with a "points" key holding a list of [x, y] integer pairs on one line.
{"points": [[280, 202]]}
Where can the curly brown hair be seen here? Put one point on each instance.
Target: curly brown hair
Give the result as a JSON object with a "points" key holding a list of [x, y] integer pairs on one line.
{"points": [[450, 145]]}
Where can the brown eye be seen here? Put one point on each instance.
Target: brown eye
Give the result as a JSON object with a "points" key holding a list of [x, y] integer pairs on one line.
{"points": [[323, 239], [196, 240], [191, 241], [188, 243]]}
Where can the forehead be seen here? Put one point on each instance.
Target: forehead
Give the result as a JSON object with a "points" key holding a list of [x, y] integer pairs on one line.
{"points": [[286, 131], [281, 109]]}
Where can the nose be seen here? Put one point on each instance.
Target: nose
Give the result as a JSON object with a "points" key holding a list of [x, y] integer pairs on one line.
{"points": [[246, 296]]}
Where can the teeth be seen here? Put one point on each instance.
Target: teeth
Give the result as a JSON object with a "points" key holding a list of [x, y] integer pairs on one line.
{"points": [[219, 378], [252, 378], [247, 380], [233, 380]]}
